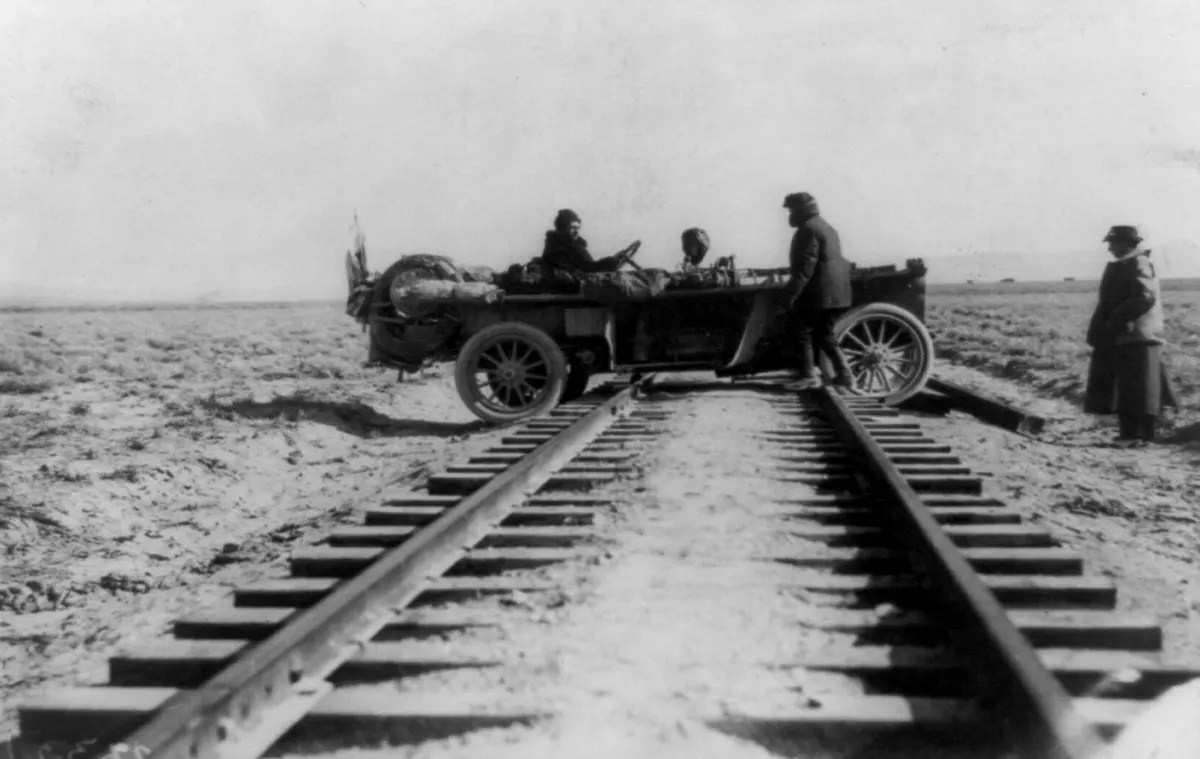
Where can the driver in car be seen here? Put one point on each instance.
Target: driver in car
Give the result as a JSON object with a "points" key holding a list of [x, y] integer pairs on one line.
{"points": [[567, 251]]}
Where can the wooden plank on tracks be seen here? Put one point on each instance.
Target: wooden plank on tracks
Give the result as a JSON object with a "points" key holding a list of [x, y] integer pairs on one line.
{"points": [[599, 442], [849, 467], [808, 726], [841, 456], [1084, 629], [365, 716], [901, 459], [934, 483], [1080, 672], [469, 483], [325, 561], [966, 536], [927, 446], [828, 499], [1013, 591], [630, 448], [256, 623], [871, 515], [824, 425], [520, 516], [921, 445], [408, 498], [541, 426], [415, 499], [940, 501], [997, 561], [895, 720], [1025, 561], [187, 663], [491, 470], [599, 457], [529, 536], [305, 591]]}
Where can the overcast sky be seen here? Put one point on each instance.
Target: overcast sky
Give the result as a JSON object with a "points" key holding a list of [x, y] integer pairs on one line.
{"points": [[183, 147]]}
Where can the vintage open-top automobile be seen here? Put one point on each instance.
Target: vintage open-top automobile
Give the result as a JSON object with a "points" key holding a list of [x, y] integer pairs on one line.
{"points": [[522, 345]]}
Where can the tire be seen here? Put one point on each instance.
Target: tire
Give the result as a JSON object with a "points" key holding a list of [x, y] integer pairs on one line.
{"points": [[510, 371], [889, 350]]}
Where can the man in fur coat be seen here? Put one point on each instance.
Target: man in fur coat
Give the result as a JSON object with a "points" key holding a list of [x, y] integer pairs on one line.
{"points": [[1126, 374], [820, 284]]}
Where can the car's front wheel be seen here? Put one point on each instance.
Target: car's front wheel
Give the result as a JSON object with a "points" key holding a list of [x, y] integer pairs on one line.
{"points": [[889, 351], [510, 371]]}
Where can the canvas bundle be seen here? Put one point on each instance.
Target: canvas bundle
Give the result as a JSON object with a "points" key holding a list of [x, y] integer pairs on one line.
{"points": [[537, 277], [424, 283], [619, 286], [703, 279]]}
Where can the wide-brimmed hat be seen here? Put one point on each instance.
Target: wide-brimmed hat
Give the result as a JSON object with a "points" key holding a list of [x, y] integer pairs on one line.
{"points": [[1123, 233], [799, 200]]}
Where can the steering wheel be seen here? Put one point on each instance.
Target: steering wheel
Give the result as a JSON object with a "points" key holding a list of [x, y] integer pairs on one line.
{"points": [[625, 255]]}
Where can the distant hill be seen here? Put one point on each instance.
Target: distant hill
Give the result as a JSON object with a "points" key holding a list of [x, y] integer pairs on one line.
{"points": [[20, 296], [1176, 259], [34, 296]]}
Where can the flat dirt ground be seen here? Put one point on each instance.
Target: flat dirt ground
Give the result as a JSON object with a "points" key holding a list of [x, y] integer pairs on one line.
{"points": [[151, 459]]}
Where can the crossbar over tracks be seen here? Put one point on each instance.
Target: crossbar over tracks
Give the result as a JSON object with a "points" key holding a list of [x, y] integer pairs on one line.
{"points": [[1040, 713], [247, 706]]}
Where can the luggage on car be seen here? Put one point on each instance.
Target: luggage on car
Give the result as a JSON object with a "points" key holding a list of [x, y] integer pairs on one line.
{"points": [[423, 283], [619, 286]]}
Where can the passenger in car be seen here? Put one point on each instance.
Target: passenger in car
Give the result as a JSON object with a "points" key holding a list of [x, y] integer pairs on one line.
{"points": [[695, 247], [567, 251]]}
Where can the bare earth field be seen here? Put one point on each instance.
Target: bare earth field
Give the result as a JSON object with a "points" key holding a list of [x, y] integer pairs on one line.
{"points": [[151, 459], [1033, 333]]}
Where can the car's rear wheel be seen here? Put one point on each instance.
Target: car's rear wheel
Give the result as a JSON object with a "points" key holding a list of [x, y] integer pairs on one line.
{"points": [[510, 371], [889, 351]]}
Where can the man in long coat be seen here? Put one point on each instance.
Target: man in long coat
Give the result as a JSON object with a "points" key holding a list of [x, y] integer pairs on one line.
{"points": [[1125, 375], [820, 282]]}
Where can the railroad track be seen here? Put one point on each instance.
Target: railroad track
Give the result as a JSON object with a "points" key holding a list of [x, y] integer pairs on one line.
{"points": [[235, 680], [968, 626], [972, 628]]}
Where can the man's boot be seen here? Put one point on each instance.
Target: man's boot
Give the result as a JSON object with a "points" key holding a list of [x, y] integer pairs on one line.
{"points": [[1147, 427], [1128, 427], [844, 377], [809, 380]]}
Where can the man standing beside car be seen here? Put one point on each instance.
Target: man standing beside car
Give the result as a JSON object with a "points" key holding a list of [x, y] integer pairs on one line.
{"points": [[820, 282]]}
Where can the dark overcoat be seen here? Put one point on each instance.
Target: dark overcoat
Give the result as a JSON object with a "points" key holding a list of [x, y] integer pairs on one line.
{"points": [[819, 273], [1130, 309], [1126, 374], [571, 255]]}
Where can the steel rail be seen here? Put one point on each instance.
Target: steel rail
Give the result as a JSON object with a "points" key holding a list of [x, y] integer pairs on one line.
{"points": [[1036, 711], [242, 710]]}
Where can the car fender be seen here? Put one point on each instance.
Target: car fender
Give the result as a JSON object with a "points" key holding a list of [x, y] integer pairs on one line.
{"points": [[756, 325]]}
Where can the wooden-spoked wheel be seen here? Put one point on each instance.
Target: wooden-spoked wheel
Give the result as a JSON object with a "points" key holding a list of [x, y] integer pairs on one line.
{"points": [[510, 371], [889, 351]]}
